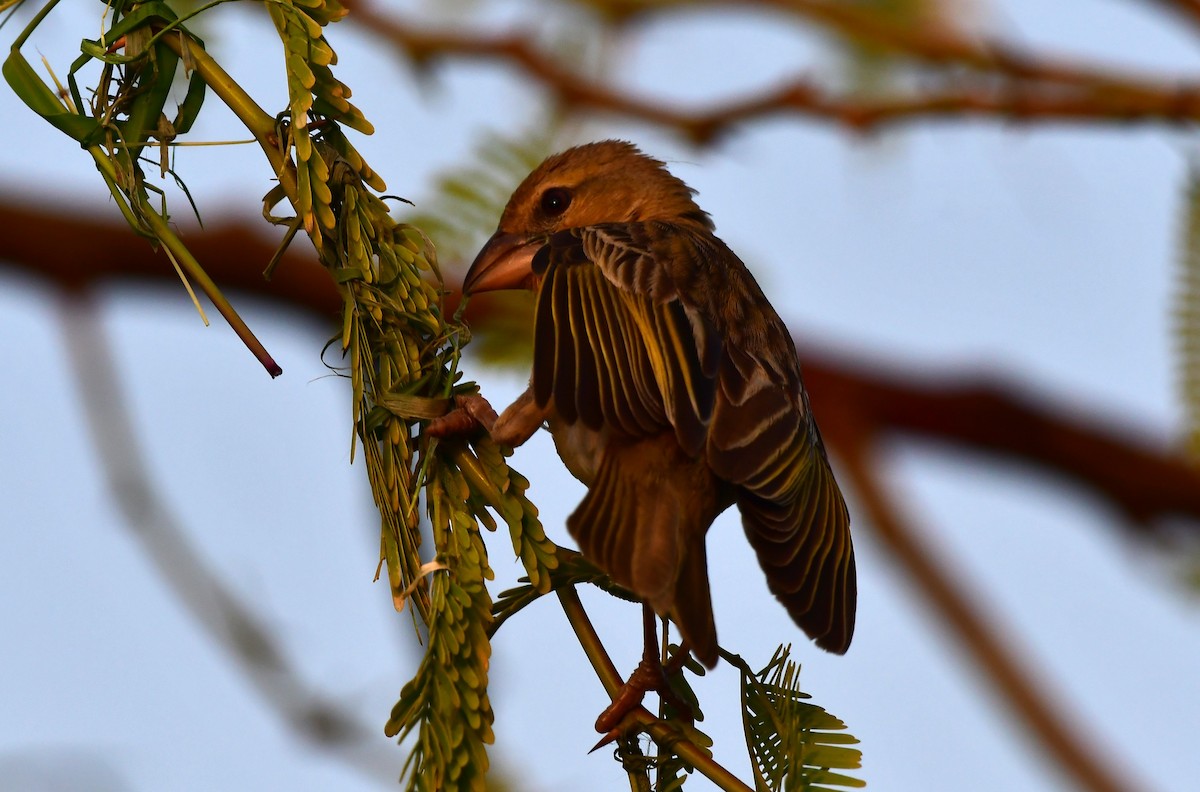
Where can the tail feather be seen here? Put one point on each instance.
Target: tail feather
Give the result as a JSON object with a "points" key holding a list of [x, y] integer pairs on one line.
{"points": [[692, 610], [644, 524]]}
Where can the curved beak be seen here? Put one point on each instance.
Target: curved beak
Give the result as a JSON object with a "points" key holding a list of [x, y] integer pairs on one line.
{"points": [[505, 262]]}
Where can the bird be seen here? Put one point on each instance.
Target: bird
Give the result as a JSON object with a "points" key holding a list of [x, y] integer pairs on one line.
{"points": [[672, 390]]}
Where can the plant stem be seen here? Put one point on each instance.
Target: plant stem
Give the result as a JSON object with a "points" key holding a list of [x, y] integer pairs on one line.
{"points": [[659, 730], [260, 123], [257, 120], [186, 260]]}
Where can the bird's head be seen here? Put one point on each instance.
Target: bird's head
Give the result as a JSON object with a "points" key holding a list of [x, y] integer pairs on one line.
{"points": [[606, 182]]}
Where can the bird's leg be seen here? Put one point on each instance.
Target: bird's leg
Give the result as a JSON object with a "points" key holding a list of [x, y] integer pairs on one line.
{"points": [[470, 412], [511, 428], [650, 675]]}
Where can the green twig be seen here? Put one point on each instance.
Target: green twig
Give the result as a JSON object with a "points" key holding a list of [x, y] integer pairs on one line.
{"points": [[659, 730], [186, 260]]}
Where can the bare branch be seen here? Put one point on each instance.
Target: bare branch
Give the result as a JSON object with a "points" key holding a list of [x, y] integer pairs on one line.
{"points": [[1187, 10], [1018, 86], [1016, 685], [858, 406], [1143, 482]]}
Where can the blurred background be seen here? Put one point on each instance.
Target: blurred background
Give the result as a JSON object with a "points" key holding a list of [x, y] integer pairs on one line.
{"points": [[974, 216]]}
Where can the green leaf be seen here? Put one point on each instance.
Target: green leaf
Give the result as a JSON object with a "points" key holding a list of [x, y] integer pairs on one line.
{"points": [[30, 88], [794, 744]]}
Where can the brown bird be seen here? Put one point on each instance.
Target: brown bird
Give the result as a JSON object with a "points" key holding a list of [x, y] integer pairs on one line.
{"points": [[672, 390]]}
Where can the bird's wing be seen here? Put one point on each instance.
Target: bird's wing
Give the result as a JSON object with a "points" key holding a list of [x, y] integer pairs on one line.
{"points": [[792, 509], [613, 344], [620, 355], [763, 438], [641, 326]]}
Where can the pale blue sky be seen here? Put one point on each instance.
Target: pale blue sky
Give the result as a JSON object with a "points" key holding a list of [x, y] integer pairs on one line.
{"points": [[1044, 256]]}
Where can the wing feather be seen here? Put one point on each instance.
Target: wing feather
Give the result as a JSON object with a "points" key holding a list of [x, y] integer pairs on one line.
{"points": [[625, 339], [588, 389], [545, 342], [586, 320]]}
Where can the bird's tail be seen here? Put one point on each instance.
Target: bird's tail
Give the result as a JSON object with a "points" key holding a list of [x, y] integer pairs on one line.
{"points": [[692, 609], [649, 537]]}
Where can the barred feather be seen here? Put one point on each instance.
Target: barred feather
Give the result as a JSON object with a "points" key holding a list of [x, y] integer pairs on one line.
{"points": [[745, 420]]}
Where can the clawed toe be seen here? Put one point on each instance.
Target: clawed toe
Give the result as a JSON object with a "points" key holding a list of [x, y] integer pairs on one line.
{"points": [[471, 412], [650, 676]]}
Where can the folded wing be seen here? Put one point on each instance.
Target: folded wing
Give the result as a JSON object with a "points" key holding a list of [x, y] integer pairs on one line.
{"points": [[627, 342]]}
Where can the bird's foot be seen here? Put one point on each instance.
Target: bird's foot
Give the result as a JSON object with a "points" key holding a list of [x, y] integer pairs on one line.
{"points": [[471, 411], [651, 675]]}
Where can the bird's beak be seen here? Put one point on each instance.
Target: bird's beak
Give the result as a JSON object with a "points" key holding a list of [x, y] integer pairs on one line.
{"points": [[505, 262]]}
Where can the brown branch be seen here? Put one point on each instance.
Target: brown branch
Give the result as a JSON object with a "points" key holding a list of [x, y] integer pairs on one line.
{"points": [[1021, 87], [1188, 10], [1143, 482], [855, 403], [930, 40], [858, 406], [1015, 684], [73, 251]]}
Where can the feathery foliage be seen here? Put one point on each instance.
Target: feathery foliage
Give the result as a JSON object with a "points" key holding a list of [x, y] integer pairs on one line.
{"points": [[795, 746], [467, 200], [462, 212]]}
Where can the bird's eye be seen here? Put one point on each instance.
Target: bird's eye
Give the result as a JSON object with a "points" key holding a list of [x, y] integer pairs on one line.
{"points": [[555, 201]]}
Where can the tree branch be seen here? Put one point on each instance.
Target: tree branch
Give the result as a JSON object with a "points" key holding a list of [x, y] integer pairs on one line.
{"points": [[1017, 86], [856, 404], [1187, 10], [1142, 482], [229, 622], [1016, 685]]}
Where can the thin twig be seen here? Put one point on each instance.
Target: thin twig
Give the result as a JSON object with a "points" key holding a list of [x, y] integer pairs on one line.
{"points": [[1029, 88], [659, 730]]}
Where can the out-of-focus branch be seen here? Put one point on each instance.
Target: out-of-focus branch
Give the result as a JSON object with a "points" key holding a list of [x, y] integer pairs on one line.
{"points": [[73, 250], [1018, 87], [1143, 482], [1188, 10], [1016, 686], [229, 621], [933, 39]]}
